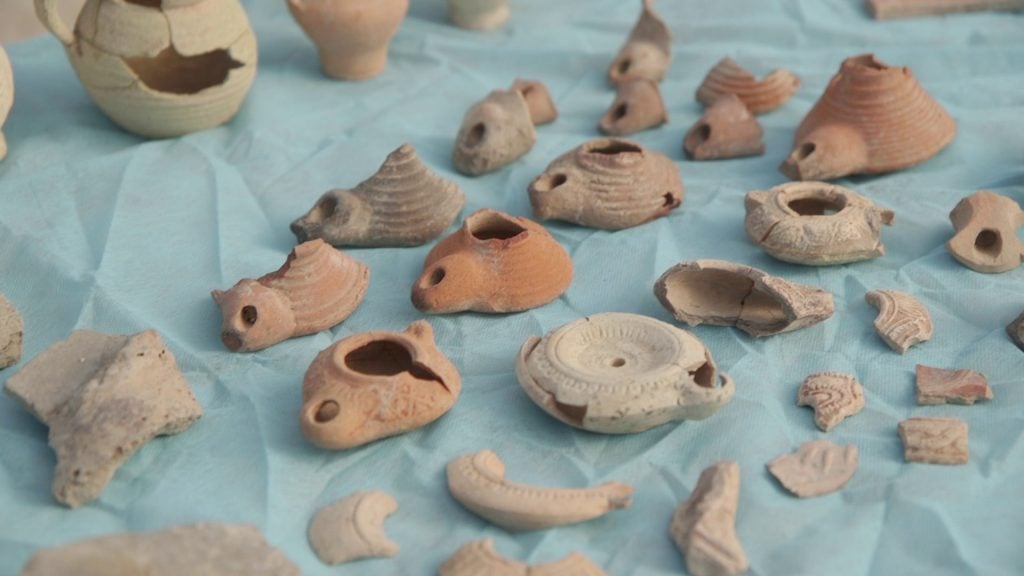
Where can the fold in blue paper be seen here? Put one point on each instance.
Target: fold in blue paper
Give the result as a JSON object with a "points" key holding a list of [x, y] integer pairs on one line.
{"points": [[101, 230]]}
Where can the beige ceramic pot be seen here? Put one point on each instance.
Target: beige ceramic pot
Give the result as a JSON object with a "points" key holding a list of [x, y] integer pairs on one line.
{"points": [[160, 68]]}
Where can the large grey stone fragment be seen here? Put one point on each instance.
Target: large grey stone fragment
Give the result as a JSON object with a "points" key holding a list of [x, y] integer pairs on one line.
{"points": [[11, 329], [103, 397], [195, 549]]}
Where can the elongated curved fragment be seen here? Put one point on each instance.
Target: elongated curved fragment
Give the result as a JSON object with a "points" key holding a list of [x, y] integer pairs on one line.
{"points": [[940, 386], [6, 97], [704, 526], [890, 9], [726, 130], [759, 96], [494, 133], [934, 440], [478, 482], [11, 333], [834, 396], [1016, 331], [478, 558], [646, 53], [986, 238], [902, 320], [818, 467], [353, 528], [637, 106]]}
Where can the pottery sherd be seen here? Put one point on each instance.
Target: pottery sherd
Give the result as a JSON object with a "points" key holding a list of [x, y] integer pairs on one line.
{"points": [[934, 440], [818, 467], [834, 396], [902, 320], [478, 558], [704, 526], [353, 528]]}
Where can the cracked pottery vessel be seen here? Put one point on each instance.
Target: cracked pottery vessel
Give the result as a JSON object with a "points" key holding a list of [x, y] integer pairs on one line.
{"points": [[986, 238], [1016, 331], [208, 549], [941, 386], [538, 101], [704, 526], [759, 96], [403, 204], [496, 263], [494, 133], [351, 36], [478, 558], [160, 69], [934, 440], [902, 320], [721, 293], [618, 373], [834, 396], [647, 52], [103, 397], [478, 482], [607, 183], [11, 334], [637, 106], [815, 223], [872, 118], [376, 384], [316, 288], [6, 97], [478, 14], [726, 130], [889, 9], [353, 528], [817, 468]]}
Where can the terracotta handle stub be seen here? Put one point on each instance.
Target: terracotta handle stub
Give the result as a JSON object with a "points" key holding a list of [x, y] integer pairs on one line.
{"points": [[46, 11]]}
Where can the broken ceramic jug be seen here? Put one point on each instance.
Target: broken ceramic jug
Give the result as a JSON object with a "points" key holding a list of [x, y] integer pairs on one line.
{"points": [[478, 558], [353, 528], [704, 525]]}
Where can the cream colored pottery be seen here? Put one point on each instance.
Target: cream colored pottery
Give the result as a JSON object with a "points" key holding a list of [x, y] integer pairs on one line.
{"points": [[941, 386], [834, 396], [902, 321], [646, 53], [637, 106], [478, 14], [619, 373], [815, 223], [704, 526], [986, 238], [351, 36], [759, 96], [353, 528], [538, 101], [103, 397], [11, 334], [160, 69], [889, 9], [6, 97], [818, 467], [1016, 331], [478, 558], [726, 130], [478, 482], [934, 440], [495, 132]]}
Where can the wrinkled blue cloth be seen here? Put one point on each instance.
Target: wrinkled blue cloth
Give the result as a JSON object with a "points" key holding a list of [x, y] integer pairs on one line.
{"points": [[105, 231]]}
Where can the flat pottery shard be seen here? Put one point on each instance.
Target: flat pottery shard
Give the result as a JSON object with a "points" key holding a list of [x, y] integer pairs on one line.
{"points": [[403, 204], [494, 133], [815, 223], [986, 238], [646, 53], [872, 118], [902, 320], [939, 386], [1016, 331], [478, 482], [889, 9], [376, 384], [722, 293], [538, 101], [195, 549], [607, 183], [11, 334], [478, 558], [726, 130], [759, 96], [495, 263], [478, 14], [6, 97], [353, 528], [934, 440], [621, 373], [704, 526], [316, 288], [834, 396], [103, 398], [637, 106], [818, 467]]}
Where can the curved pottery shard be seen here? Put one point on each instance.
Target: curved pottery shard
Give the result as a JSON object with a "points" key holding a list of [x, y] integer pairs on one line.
{"points": [[195, 549], [726, 130], [496, 263], [495, 132], [376, 384], [1016, 331], [704, 526], [538, 101], [478, 14], [621, 373], [834, 396], [888, 9], [353, 528], [872, 118], [934, 440], [722, 293], [403, 204], [478, 482], [6, 97], [315, 289], [646, 53], [986, 238], [11, 334], [637, 106], [607, 183], [478, 558], [815, 223], [902, 321], [103, 398], [759, 96], [816, 468], [938, 386]]}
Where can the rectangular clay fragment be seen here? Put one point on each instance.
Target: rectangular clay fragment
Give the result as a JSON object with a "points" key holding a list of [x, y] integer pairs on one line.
{"points": [[940, 386], [934, 440], [891, 9]]}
